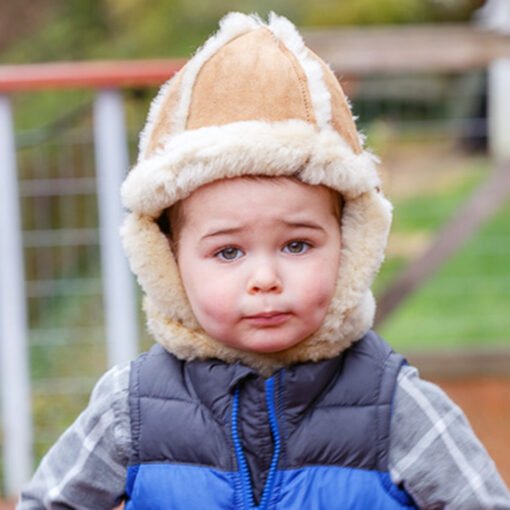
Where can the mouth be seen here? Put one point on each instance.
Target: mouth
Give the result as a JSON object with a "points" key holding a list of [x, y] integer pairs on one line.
{"points": [[268, 319]]}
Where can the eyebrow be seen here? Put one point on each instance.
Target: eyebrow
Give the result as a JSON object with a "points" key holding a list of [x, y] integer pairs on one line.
{"points": [[220, 232], [235, 230], [304, 224]]}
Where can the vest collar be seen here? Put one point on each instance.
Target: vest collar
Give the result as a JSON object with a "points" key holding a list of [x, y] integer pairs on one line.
{"points": [[215, 380]]}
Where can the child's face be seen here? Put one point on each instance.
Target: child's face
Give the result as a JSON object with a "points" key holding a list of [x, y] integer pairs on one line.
{"points": [[259, 260]]}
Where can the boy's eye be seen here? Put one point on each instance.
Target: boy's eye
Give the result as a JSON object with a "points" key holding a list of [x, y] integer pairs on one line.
{"points": [[229, 253], [296, 247]]}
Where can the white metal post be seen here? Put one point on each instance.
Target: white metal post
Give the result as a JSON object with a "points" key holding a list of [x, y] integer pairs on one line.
{"points": [[495, 15], [499, 109], [15, 385], [112, 162]]}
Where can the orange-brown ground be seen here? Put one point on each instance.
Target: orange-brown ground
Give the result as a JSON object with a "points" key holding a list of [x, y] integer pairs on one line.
{"points": [[486, 402]]}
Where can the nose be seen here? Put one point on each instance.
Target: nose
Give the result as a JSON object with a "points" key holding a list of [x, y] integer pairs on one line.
{"points": [[264, 278]]}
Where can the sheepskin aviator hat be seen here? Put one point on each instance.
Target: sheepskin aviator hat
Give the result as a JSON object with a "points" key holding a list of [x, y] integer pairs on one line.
{"points": [[254, 100]]}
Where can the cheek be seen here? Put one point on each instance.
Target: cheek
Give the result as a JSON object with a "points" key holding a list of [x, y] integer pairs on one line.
{"points": [[215, 310], [214, 315], [320, 293], [315, 290], [209, 299]]}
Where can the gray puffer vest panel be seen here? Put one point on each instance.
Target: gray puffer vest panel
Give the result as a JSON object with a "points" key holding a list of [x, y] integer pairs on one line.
{"points": [[332, 413]]}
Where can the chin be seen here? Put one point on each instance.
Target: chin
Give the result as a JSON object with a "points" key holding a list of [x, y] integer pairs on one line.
{"points": [[269, 346]]}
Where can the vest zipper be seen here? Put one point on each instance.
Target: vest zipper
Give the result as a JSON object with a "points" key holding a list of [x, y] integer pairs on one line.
{"points": [[273, 423], [246, 487]]}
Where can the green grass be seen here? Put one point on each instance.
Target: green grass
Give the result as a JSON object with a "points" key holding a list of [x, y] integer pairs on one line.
{"points": [[429, 211], [466, 303]]}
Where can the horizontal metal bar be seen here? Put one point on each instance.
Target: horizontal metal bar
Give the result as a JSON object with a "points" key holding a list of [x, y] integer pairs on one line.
{"points": [[70, 336], [63, 385], [57, 187], [68, 287], [98, 74], [60, 237]]}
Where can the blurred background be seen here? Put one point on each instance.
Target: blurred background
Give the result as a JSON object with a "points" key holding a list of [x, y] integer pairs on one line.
{"points": [[424, 78]]}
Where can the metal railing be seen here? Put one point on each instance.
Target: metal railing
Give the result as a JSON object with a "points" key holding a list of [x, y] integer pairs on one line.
{"points": [[111, 150]]}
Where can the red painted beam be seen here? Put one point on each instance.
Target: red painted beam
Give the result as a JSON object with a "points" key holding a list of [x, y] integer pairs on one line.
{"points": [[93, 74]]}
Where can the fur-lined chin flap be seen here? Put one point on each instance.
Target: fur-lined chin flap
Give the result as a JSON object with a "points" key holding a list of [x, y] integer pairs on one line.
{"points": [[189, 344]]}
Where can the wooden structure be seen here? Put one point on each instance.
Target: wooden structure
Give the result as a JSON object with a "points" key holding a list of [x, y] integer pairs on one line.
{"points": [[445, 48]]}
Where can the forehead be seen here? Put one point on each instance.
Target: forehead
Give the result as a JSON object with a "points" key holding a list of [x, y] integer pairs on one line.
{"points": [[254, 196]]}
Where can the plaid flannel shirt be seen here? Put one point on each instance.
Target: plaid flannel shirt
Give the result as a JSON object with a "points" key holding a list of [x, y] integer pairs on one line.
{"points": [[434, 453]]}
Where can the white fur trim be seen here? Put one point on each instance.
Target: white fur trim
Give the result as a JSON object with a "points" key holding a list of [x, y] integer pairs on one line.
{"points": [[196, 157], [320, 96]]}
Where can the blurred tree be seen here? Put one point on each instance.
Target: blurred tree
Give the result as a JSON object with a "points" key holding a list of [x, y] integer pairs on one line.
{"points": [[175, 27], [80, 29], [18, 19], [69, 31], [372, 12]]}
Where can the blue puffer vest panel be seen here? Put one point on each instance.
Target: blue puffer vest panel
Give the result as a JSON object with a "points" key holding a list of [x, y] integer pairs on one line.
{"points": [[314, 436]]}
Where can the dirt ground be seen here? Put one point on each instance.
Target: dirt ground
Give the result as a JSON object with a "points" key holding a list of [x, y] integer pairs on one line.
{"points": [[486, 402]]}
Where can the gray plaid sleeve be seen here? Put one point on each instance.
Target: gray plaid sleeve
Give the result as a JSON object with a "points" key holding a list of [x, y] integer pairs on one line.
{"points": [[87, 466], [435, 454]]}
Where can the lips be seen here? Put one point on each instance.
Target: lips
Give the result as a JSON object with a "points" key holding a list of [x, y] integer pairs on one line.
{"points": [[268, 319]]}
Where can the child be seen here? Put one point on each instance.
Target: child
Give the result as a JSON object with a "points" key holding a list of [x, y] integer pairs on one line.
{"points": [[257, 224]]}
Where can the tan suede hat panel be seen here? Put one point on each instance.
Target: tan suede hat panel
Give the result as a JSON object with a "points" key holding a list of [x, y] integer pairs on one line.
{"points": [[253, 77], [163, 126], [342, 117]]}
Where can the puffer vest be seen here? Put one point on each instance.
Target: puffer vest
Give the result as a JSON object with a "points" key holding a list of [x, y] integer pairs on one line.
{"points": [[208, 435]]}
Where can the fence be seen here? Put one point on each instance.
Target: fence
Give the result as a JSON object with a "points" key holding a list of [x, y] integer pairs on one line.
{"points": [[65, 288], [67, 180]]}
